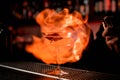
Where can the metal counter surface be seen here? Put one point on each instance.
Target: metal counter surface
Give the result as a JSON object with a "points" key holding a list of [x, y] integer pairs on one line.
{"points": [[37, 71]]}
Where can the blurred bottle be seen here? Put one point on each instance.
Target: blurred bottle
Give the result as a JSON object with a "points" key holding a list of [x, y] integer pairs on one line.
{"points": [[58, 5], [46, 4], [113, 6], [107, 5], [70, 5], [5, 42], [5, 38], [99, 6]]}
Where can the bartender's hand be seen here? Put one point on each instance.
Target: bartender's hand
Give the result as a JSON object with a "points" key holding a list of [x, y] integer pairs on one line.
{"points": [[111, 39]]}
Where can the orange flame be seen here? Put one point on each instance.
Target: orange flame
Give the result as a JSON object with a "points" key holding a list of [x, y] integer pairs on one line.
{"points": [[71, 28]]}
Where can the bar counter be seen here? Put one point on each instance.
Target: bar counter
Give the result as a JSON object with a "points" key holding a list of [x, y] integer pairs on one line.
{"points": [[37, 71]]}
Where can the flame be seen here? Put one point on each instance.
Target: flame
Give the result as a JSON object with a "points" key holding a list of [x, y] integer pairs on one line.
{"points": [[73, 30]]}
